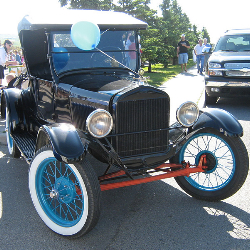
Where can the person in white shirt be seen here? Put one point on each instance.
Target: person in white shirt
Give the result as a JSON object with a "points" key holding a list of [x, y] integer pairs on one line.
{"points": [[4, 58], [199, 55]]}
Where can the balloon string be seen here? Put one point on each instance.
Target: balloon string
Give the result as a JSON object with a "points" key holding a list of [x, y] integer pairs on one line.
{"points": [[116, 60], [105, 31]]}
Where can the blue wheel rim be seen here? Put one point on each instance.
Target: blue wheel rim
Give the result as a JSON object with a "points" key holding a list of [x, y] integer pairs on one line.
{"points": [[9, 138], [59, 192], [222, 169]]}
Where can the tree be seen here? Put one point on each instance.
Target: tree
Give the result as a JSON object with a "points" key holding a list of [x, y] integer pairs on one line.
{"points": [[205, 34], [149, 46], [88, 4], [174, 23], [160, 40]]}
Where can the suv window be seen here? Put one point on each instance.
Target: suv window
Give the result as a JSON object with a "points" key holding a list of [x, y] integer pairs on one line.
{"points": [[233, 43], [113, 47]]}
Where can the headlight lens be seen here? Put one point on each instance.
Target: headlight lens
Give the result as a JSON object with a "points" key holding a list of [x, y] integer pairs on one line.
{"points": [[214, 72], [214, 65], [187, 114], [99, 123]]}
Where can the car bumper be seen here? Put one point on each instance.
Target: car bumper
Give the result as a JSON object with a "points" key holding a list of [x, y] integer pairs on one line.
{"points": [[227, 87]]}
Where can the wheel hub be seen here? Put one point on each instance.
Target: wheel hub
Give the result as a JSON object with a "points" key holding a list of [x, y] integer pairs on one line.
{"points": [[54, 194], [211, 161], [64, 190]]}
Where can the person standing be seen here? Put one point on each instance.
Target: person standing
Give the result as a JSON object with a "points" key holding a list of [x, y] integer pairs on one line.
{"points": [[198, 49], [182, 52], [18, 58], [4, 50], [207, 48], [132, 53], [128, 43]]}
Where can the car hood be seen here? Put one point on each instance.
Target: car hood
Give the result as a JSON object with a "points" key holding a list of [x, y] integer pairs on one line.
{"points": [[222, 56], [96, 87]]}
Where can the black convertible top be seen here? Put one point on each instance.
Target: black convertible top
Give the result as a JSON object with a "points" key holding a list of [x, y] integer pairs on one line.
{"points": [[64, 18], [33, 31]]}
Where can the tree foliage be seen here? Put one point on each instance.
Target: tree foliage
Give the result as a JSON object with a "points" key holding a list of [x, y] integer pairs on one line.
{"points": [[160, 40], [88, 4]]}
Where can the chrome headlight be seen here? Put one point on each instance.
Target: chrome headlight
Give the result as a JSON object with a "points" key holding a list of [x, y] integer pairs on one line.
{"points": [[214, 69], [99, 123], [187, 114]]}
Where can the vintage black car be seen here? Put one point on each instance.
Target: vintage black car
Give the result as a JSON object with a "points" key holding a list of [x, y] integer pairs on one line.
{"points": [[89, 99], [228, 69]]}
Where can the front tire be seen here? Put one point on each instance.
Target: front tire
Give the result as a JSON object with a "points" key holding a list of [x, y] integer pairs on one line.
{"points": [[227, 161], [66, 196]]}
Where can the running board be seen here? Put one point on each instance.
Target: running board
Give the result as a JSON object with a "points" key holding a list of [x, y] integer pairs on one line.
{"points": [[26, 143]]}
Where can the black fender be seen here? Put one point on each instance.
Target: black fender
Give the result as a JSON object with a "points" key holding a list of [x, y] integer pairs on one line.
{"points": [[65, 141], [12, 99], [220, 120]]}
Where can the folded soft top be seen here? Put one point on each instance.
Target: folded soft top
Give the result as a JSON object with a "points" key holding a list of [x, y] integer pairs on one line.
{"points": [[64, 18]]}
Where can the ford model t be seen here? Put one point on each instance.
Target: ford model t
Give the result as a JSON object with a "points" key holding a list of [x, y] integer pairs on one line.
{"points": [[81, 95]]}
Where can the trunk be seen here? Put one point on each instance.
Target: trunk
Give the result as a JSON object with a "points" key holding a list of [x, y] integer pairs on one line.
{"points": [[149, 67]]}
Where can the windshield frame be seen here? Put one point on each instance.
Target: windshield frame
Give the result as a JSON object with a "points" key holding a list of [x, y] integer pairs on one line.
{"points": [[72, 58]]}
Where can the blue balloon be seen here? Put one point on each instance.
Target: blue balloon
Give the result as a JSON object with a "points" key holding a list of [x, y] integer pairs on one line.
{"points": [[60, 59], [85, 35]]}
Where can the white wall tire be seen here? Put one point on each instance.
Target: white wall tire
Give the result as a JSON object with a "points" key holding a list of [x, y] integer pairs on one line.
{"points": [[66, 196]]}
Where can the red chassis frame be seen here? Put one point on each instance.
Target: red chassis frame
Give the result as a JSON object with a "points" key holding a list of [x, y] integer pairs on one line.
{"points": [[183, 169]]}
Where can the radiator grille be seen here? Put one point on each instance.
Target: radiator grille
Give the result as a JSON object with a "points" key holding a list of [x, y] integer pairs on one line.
{"points": [[238, 69], [144, 119]]}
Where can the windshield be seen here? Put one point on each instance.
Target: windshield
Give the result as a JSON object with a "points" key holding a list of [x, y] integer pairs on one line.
{"points": [[233, 43], [117, 49]]}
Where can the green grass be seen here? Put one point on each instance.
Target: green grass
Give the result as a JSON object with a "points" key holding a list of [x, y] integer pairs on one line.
{"points": [[160, 75]]}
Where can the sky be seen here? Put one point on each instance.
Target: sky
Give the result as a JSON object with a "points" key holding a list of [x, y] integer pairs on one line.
{"points": [[216, 16]]}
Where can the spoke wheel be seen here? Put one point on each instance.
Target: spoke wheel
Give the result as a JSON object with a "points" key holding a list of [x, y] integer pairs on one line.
{"points": [[227, 162], [66, 196], [12, 147]]}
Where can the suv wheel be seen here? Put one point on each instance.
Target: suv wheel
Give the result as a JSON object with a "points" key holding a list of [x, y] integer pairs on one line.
{"points": [[210, 99]]}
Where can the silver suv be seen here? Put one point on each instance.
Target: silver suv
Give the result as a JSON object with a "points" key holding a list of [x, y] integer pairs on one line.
{"points": [[228, 68]]}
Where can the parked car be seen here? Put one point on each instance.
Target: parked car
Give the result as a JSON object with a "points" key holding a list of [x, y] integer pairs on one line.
{"points": [[84, 99], [228, 69]]}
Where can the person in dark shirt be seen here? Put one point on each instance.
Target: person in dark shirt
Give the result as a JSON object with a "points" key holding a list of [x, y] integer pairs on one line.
{"points": [[18, 58], [182, 52]]}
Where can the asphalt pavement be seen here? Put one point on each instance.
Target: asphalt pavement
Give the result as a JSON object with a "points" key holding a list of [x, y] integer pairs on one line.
{"points": [[157, 215]]}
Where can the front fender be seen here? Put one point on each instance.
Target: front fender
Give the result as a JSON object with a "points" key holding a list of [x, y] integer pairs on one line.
{"points": [[65, 141], [220, 120], [12, 99]]}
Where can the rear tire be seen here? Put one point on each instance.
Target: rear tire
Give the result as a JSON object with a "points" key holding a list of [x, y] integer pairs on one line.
{"points": [[12, 147], [66, 196]]}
